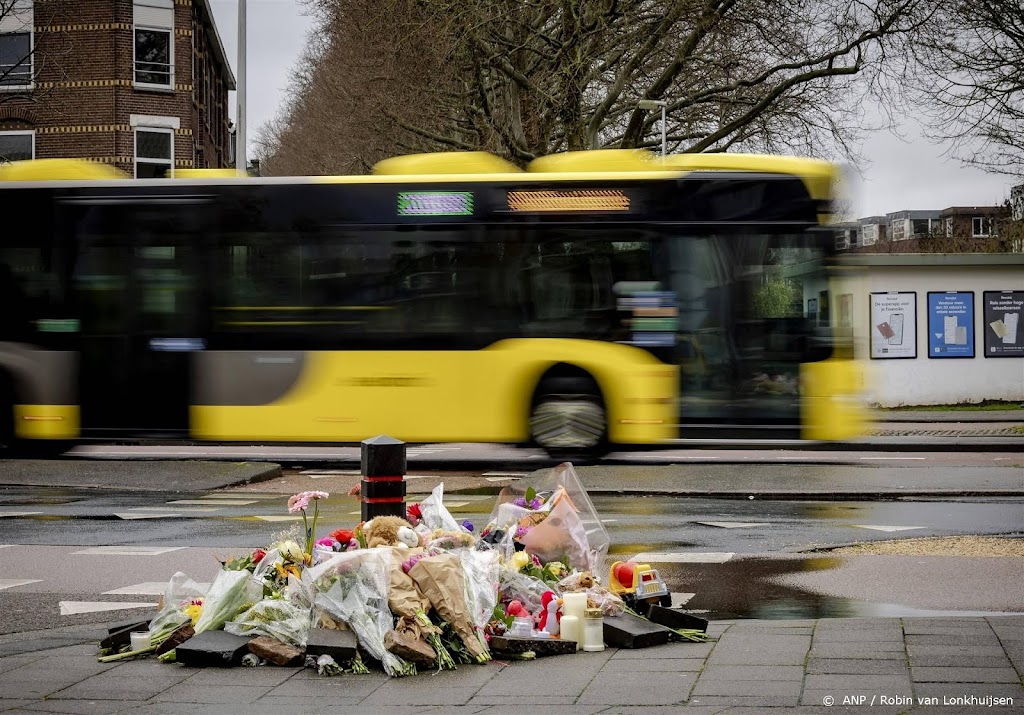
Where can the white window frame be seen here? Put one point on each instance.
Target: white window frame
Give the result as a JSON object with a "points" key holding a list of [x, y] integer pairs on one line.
{"points": [[22, 132], [986, 227], [169, 87], [147, 160], [31, 84]]}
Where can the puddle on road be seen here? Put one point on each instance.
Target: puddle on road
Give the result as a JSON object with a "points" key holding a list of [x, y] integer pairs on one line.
{"points": [[749, 588]]}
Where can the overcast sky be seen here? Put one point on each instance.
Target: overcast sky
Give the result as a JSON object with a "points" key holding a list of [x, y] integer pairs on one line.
{"points": [[900, 174]]}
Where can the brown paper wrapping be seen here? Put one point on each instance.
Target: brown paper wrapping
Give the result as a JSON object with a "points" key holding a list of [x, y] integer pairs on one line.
{"points": [[404, 597], [440, 578]]}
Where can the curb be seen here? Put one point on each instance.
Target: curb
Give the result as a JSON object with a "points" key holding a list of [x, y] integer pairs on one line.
{"points": [[783, 495]]}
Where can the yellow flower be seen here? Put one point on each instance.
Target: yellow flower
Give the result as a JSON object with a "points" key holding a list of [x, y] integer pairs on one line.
{"points": [[292, 551], [519, 560], [193, 611]]}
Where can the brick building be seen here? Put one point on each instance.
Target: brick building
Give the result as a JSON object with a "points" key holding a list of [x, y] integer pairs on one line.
{"points": [[139, 84]]}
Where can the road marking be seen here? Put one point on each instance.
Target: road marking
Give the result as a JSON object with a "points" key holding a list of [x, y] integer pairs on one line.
{"points": [[893, 458], [332, 472], [281, 518], [15, 582], [608, 521], [501, 479], [19, 513], [131, 515], [220, 502], [730, 524], [506, 474], [6, 546], [163, 509], [149, 588], [681, 599], [71, 608], [681, 557], [880, 527], [127, 550]]}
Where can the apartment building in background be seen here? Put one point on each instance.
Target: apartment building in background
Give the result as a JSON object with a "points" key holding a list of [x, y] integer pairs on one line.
{"points": [[138, 84]]}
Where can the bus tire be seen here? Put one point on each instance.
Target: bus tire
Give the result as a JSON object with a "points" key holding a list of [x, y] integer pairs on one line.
{"points": [[568, 418]]}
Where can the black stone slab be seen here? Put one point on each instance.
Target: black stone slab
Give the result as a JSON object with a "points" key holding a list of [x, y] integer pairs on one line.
{"points": [[675, 618], [629, 631], [340, 645], [115, 639], [212, 648], [516, 645]]}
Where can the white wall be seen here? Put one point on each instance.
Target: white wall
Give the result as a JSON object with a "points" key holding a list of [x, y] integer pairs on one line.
{"points": [[921, 380]]}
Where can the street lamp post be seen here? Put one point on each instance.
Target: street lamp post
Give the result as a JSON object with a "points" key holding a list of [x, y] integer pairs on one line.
{"points": [[649, 104], [241, 160]]}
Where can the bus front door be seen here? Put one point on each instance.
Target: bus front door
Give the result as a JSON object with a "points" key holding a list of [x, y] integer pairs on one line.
{"points": [[136, 279]]}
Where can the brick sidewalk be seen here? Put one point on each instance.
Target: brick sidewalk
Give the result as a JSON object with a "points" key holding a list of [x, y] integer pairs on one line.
{"points": [[965, 663]]}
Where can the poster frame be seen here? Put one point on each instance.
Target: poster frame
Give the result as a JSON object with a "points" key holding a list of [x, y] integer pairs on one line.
{"points": [[971, 339], [985, 338], [871, 300]]}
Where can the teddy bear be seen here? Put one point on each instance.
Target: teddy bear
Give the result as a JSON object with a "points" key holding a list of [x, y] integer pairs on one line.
{"points": [[390, 531]]}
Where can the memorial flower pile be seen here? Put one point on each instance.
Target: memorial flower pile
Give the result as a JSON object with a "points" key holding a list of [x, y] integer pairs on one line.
{"points": [[415, 594]]}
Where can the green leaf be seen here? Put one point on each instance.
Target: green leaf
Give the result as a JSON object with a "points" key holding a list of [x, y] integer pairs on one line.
{"points": [[531, 494]]}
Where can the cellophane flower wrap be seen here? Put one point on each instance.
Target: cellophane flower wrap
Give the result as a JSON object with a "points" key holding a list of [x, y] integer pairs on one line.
{"points": [[286, 620], [577, 533], [353, 587], [441, 579], [228, 593], [178, 593], [481, 570], [435, 514]]}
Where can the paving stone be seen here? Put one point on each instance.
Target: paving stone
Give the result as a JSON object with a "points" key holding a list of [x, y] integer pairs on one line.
{"points": [[856, 666], [1007, 631], [821, 710], [85, 707], [953, 639], [889, 684], [752, 672], [220, 693], [980, 690], [340, 645], [402, 693], [746, 688], [979, 628], [660, 665], [671, 650], [964, 675], [848, 636], [653, 689], [276, 652], [878, 651], [967, 652], [9, 705], [769, 650], [13, 662], [856, 624], [729, 701], [853, 705], [659, 710], [324, 688], [955, 660], [539, 678], [629, 631], [212, 648], [548, 710], [488, 701], [264, 675]]}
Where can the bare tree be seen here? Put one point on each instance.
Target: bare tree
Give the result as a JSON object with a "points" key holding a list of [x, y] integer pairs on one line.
{"points": [[22, 62], [969, 82], [524, 78]]}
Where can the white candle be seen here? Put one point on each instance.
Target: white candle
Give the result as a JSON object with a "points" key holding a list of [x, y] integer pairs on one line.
{"points": [[570, 626], [574, 604], [140, 639]]}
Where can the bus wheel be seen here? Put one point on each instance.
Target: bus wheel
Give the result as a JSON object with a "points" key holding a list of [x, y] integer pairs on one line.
{"points": [[568, 425]]}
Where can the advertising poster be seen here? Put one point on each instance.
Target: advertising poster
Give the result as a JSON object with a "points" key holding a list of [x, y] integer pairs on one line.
{"points": [[893, 325], [1004, 335], [846, 310], [951, 324]]}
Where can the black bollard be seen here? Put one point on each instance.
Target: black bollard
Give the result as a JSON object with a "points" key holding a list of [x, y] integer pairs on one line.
{"points": [[383, 487]]}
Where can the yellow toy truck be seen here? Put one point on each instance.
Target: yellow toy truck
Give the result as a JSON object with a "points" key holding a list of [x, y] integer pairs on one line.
{"points": [[638, 583]]}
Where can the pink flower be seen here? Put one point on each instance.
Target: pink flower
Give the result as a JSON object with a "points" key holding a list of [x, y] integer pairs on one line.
{"points": [[300, 501], [326, 541]]}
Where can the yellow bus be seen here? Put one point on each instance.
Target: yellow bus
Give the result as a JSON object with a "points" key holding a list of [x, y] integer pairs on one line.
{"points": [[590, 300]]}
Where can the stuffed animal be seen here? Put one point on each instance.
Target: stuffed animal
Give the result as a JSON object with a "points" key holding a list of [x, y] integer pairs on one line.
{"points": [[516, 610], [390, 531], [549, 613]]}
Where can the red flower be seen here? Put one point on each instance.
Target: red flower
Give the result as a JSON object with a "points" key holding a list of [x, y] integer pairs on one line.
{"points": [[414, 510], [258, 555], [342, 536]]}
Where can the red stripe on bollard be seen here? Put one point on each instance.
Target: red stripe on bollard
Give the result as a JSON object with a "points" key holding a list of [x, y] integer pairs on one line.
{"points": [[383, 479], [383, 500]]}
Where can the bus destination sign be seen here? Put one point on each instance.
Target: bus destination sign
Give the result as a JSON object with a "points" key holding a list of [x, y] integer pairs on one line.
{"points": [[435, 203], [576, 200]]}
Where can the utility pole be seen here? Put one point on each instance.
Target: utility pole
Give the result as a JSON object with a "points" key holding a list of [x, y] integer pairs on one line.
{"points": [[241, 159], [649, 104]]}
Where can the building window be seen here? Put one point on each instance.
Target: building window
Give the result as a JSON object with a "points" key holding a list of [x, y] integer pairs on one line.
{"points": [[17, 146], [16, 59], [153, 57], [899, 230], [981, 226], [154, 153]]}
